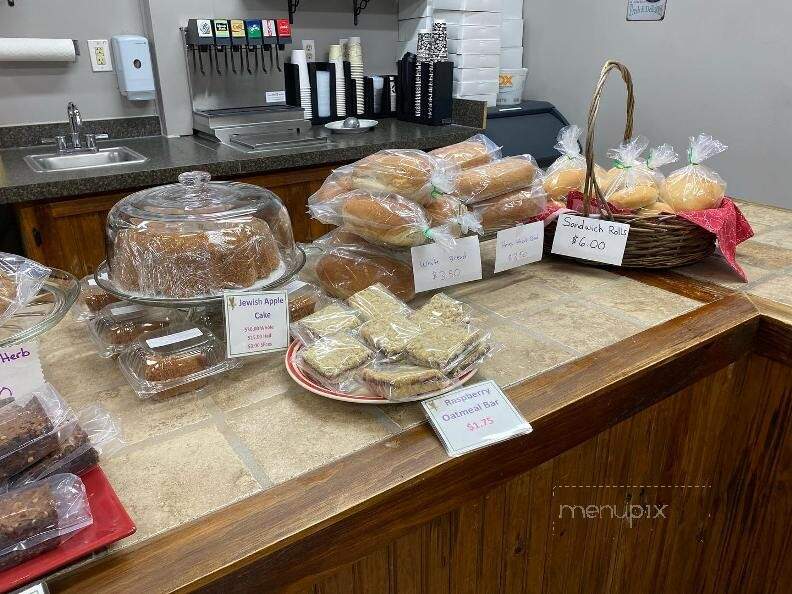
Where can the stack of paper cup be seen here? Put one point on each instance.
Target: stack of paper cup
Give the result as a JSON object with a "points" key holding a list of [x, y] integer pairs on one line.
{"points": [[422, 55], [356, 68], [438, 53], [298, 57], [337, 58], [323, 93]]}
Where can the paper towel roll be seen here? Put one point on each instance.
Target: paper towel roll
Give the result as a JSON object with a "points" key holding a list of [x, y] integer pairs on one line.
{"points": [[24, 49]]}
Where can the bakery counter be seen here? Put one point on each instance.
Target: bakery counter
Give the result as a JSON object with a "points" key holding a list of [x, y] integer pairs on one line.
{"points": [[168, 157], [631, 381]]}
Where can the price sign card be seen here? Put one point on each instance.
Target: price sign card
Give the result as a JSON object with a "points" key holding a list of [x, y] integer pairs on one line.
{"points": [[435, 266], [519, 245], [256, 322], [20, 370], [590, 239], [474, 417]]}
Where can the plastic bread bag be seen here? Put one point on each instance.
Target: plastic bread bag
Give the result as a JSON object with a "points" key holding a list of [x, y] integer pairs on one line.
{"points": [[20, 281], [442, 309], [658, 157], [385, 219], [477, 150], [568, 172], [29, 428], [118, 324], [401, 382], [444, 347], [633, 185], [333, 360], [390, 336], [449, 211], [493, 179], [82, 442], [91, 300], [376, 301], [411, 173], [181, 358], [337, 183], [343, 269], [333, 317], [696, 186], [38, 517], [303, 299], [513, 208]]}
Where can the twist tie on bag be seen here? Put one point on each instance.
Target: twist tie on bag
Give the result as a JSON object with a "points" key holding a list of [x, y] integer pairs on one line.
{"points": [[427, 232], [690, 157], [619, 165]]}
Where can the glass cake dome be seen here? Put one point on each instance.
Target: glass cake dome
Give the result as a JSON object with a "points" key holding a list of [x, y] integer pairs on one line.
{"points": [[196, 238]]}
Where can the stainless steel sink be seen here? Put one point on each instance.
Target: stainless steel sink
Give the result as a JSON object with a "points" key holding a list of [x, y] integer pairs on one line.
{"points": [[104, 157]]}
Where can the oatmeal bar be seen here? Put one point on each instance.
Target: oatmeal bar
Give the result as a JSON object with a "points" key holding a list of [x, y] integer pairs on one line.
{"points": [[389, 335], [440, 347], [333, 356], [441, 309], [376, 302], [330, 320], [397, 382]]}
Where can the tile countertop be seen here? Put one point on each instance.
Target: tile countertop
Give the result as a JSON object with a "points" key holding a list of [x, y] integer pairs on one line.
{"points": [[255, 428], [168, 157]]}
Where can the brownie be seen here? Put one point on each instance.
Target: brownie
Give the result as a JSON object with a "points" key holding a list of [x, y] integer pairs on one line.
{"points": [[74, 454], [26, 436], [26, 513], [301, 306]]}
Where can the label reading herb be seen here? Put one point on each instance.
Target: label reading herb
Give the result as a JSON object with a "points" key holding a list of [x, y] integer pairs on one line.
{"points": [[587, 238], [20, 370], [474, 417], [435, 266], [256, 322], [519, 245]]}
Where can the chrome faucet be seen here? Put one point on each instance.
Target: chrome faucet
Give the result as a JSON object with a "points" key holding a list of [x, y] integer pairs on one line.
{"points": [[75, 125]]}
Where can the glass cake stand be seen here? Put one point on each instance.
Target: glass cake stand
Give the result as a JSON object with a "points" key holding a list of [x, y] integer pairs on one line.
{"points": [[51, 304], [291, 267]]}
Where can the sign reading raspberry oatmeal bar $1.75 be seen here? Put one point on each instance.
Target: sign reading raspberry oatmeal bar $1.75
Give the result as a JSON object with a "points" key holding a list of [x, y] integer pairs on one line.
{"points": [[255, 323]]}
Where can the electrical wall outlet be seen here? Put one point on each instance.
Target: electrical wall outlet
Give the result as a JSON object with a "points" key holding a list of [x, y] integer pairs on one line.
{"points": [[99, 50]]}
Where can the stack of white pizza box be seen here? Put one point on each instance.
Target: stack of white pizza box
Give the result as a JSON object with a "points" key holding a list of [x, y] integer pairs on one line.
{"points": [[511, 55], [474, 45]]}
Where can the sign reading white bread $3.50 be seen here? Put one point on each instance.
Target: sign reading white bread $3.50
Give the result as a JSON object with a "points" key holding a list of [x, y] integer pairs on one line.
{"points": [[436, 266], [587, 238]]}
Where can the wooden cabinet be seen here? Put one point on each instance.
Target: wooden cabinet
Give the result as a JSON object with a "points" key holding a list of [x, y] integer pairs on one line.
{"points": [[69, 233]]}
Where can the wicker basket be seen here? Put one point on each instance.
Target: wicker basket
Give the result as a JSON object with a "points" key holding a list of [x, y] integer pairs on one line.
{"points": [[655, 241]]}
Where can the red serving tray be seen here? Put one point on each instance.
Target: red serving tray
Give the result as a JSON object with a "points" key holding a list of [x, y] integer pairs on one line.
{"points": [[110, 524]]}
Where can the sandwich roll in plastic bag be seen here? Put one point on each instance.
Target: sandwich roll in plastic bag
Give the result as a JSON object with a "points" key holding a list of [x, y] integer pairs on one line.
{"points": [[385, 219], [334, 360], [342, 264], [411, 173], [93, 435], [493, 179], [696, 186], [29, 426], [634, 185], [20, 281], [39, 516], [477, 150], [449, 211], [510, 209], [337, 183], [402, 382], [658, 157]]}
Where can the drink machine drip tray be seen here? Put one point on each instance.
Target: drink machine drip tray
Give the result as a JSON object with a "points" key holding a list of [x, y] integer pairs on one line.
{"points": [[269, 142]]}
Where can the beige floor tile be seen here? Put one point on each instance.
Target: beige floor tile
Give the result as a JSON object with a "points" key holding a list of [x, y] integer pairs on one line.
{"points": [[520, 356], [405, 415], [563, 323], [259, 378], [766, 216], [763, 255], [777, 289], [170, 482], [716, 270], [568, 277], [645, 303], [780, 237], [290, 435], [507, 293]]}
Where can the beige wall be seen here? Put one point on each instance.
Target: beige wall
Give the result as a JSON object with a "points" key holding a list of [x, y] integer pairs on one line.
{"points": [[717, 66]]}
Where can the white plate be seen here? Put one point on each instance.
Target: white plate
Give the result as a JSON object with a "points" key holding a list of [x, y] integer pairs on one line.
{"points": [[337, 127]]}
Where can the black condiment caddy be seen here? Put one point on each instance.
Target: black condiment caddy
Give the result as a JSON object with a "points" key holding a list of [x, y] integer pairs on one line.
{"points": [[442, 87]]}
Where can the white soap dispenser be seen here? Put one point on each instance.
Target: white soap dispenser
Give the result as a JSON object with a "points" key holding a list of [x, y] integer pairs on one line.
{"points": [[133, 67]]}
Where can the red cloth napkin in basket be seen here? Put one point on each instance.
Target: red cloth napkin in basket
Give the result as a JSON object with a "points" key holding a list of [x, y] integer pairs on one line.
{"points": [[728, 224]]}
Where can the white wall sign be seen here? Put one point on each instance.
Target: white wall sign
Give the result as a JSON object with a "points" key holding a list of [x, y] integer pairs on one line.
{"points": [[519, 245], [587, 238], [473, 417], [256, 322], [646, 10], [435, 266]]}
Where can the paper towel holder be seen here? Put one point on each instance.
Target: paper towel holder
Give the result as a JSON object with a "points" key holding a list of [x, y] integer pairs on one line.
{"points": [[74, 41]]}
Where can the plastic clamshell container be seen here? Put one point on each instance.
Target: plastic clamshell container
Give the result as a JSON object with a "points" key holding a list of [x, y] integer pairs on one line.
{"points": [[91, 300], [118, 324], [179, 359]]}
